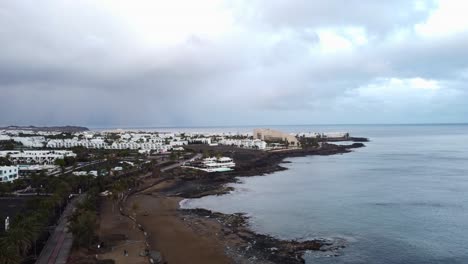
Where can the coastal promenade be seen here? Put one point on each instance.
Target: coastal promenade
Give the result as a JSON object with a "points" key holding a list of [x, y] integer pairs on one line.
{"points": [[59, 244]]}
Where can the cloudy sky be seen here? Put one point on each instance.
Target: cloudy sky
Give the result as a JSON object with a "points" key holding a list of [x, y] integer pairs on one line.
{"points": [[104, 63]]}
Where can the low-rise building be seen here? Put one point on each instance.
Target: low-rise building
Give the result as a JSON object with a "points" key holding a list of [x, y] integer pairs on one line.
{"points": [[200, 140], [177, 149], [222, 164], [93, 173], [71, 143], [8, 173], [26, 170], [31, 142], [80, 173], [178, 143], [245, 143], [4, 137], [36, 156]]}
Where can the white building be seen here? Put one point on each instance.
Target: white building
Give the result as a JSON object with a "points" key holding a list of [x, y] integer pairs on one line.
{"points": [[144, 151], [80, 173], [36, 156], [85, 173], [245, 143], [178, 143], [8, 173], [93, 173], [96, 143], [4, 137], [31, 142], [24, 170], [222, 164], [200, 140]]}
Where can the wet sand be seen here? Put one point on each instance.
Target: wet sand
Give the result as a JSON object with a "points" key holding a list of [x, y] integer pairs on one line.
{"points": [[169, 234], [112, 228]]}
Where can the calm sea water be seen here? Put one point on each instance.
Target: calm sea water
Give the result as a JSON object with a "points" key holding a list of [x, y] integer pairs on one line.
{"points": [[401, 199]]}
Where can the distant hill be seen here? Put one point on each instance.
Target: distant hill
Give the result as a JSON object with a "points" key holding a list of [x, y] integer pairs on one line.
{"points": [[69, 129]]}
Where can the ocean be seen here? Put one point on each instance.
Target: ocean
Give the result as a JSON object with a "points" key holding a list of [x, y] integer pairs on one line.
{"points": [[401, 199]]}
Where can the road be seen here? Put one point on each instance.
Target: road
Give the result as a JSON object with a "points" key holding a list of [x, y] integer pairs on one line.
{"points": [[180, 163], [70, 169], [59, 244]]}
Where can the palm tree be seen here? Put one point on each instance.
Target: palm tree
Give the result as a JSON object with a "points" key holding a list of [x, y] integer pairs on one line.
{"points": [[172, 156], [118, 187], [56, 201], [61, 163], [115, 198], [31, 225], [83, 226], [61, 193], [19, 239], [8, 255], [156, 173], [47, 205]]}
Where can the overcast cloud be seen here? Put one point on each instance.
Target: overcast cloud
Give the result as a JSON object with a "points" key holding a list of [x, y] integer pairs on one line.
{"points": [[187, 63]]}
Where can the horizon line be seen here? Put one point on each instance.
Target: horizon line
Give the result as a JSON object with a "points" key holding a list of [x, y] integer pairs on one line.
{"points": [[239, 126], [275, 125]]}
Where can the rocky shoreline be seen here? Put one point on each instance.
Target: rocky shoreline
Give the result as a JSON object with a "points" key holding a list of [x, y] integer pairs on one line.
{"points": [[241, 243], [196, 184], [249, 246]]}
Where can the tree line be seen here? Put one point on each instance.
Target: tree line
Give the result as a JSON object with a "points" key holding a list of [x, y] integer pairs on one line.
{"points": [[29, 230]]}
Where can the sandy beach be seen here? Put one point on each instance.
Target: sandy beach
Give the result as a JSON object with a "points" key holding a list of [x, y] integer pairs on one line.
{"points": [[169, 234]]}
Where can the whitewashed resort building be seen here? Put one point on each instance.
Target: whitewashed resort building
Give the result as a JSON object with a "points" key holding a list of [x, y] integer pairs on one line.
{"points": [[222, 164], [8, 173], [36, 156]]}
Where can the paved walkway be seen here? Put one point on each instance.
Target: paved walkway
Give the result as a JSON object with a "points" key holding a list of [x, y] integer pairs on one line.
{"points": [[60, 242]]}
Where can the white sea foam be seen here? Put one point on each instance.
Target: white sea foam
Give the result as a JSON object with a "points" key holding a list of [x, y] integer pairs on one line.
{"points": [[185, 204]]}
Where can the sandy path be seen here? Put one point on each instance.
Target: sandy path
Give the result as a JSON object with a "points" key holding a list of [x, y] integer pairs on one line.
{"points": [[176, 240], [113, 223]]}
